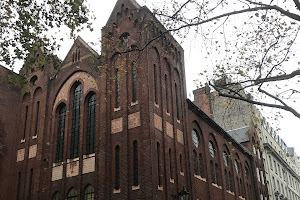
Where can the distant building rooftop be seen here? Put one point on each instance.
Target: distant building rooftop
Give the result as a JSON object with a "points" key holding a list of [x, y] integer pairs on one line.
{"points": [[240, 134]]}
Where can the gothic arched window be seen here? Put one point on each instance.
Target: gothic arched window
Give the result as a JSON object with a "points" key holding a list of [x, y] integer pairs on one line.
{"points": [[91, 125], [60, 134], [89, 193], [75, 131]]}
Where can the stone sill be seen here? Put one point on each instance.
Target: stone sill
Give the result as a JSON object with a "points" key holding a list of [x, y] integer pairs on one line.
{"points": [[240, 197], [135, 187], [200, 178], [23, 140], [172, 180], [156, 105], [134, 103], [34, 137], [178, 121], [88, 156], [232, 193], [161, 188], [72, 160], [117, 191], [167, 113], [217, 186], [57, 164], [181, 173], [117, 109]]}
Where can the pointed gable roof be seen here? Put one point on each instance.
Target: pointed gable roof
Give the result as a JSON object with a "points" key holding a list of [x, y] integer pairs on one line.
{"points": [[127, 3], [85, 49]]}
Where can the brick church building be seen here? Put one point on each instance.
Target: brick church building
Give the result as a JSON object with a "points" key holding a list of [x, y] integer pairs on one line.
{"points": [[118, 125]]}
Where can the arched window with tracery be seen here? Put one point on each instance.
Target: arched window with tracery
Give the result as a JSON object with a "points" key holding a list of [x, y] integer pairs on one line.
{"points": [[75, 131], [72, 194], [89, 193], [91, 124], [60, 133]]}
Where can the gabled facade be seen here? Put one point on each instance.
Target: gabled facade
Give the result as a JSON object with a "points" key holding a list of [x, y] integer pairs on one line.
{"points": [[118, 125]]}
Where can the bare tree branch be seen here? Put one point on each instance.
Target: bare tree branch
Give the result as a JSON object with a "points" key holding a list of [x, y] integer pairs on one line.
{"points": [[283, 107], [297, 3]]}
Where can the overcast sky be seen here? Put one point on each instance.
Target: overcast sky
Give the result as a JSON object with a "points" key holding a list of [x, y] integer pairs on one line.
{"points": [[193, 61]]}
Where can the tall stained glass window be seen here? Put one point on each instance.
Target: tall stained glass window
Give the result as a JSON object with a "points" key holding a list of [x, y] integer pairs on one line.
{"points": [[75, 132], [60, 134], [91, 125]]}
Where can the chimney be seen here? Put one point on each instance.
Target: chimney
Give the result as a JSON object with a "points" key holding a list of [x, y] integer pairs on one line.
{"points": [[202, 99]]}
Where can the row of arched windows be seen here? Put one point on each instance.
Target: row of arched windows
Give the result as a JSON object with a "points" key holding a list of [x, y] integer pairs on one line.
{"points": [[230, 163], [90, 114], [73, 194], [167, 82], [35, 112]]}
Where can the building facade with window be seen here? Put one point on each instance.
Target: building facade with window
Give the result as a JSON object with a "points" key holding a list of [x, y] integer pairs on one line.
{"points": [[282, 171], [117, 125]]}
